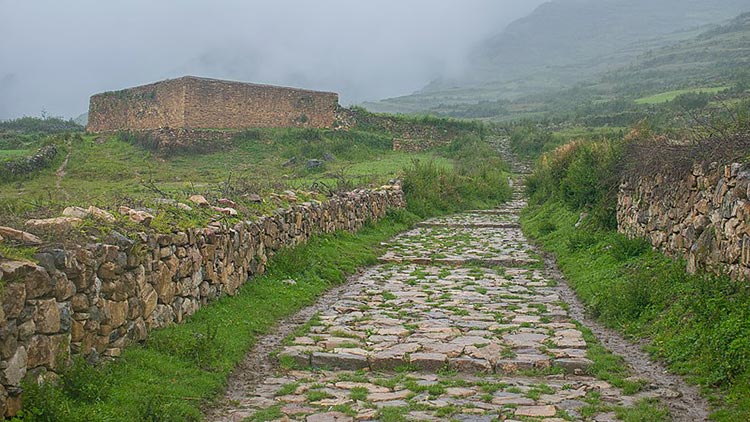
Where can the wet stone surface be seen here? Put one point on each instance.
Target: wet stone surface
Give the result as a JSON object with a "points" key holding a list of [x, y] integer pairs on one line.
{"points": [[459, 323]]}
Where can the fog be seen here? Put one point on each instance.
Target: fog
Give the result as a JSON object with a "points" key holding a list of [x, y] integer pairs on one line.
{"points": [[55, 54]]}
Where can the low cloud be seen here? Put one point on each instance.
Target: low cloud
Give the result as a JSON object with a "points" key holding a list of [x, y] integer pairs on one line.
{"points": [[54, 54]]}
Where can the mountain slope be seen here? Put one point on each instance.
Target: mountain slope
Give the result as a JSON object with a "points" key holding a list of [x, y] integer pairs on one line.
{"points": [[566, 42], [568, 32]]}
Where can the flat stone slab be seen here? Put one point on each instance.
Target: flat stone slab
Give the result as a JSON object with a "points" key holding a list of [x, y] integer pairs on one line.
{"points": [[458, 323]]}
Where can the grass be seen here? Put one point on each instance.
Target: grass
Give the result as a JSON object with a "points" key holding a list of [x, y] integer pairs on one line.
{"points": [[699, 324], [113, 172], [182, 368], [665, 97], [174, 376], [14, 153]]}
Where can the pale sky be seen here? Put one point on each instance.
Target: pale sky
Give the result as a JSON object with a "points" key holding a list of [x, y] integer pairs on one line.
{"points": [[55, 54]]}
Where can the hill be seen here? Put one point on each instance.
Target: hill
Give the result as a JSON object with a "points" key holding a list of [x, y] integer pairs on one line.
{"points": [[567, 42]]}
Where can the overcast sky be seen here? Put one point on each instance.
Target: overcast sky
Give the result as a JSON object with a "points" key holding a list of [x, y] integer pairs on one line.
{"points": [[54, 54]]}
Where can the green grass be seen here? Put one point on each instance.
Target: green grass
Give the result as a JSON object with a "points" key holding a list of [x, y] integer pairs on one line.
{"points": [[671, 95], [699, 324], [174, 375], [116, 172], [14, 153]]}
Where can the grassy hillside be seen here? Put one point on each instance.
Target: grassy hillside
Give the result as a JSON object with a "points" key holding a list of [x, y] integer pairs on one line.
{"points": [[588, 54], [255, 169]]}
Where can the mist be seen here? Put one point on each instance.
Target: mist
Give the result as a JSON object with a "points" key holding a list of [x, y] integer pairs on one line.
{"points": [[54, 55]]}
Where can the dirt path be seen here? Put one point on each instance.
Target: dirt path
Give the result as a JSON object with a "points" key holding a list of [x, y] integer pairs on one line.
{"points": [[463, 320], [61, 171]]}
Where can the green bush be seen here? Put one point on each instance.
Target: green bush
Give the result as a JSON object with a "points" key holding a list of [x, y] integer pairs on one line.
{"points": [[530, 141], [584, 175], [624, 248]]}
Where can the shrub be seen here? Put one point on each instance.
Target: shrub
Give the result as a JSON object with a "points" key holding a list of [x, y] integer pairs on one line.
{"points": [[583, 175], [84, 382]]}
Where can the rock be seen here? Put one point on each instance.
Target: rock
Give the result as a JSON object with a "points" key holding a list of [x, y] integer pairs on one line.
{"points": [[398, 395], [47, 316], [339, 360], [254, 198], [139, 217], [101, 215], [8, 339], [117, 238], [199, 200], [329, 417], [536, 411], [36, 280], [13, 406], [227, 203], [14, 299], [184, 207], [576, 366], [313, 164], [75, 212], [226, 211], [428, 361], [19, 236], [15, 368], [57, 226], [39, 352], [115, 312]]}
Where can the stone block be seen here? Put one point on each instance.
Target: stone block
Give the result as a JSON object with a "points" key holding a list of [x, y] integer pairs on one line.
{"points": [[46, 316]]}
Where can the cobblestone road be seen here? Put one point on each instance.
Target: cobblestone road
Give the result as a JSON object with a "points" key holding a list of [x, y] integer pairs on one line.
{"points": [[458, 322]]}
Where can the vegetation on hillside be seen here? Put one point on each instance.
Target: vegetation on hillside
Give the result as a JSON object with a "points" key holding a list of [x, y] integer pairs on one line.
{"points": [[632, 76], [697, 323], [181, 369], [44, 125]]}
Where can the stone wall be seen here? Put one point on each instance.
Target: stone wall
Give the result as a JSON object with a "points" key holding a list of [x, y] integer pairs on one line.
{"points": [[232, 105], [703, 217], [96, 299], [146, 107], [201, 103]]}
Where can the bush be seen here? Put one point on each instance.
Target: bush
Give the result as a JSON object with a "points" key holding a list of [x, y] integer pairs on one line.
{"points": [[582, 175], [478, 180], [530, 141], [47, 125]]}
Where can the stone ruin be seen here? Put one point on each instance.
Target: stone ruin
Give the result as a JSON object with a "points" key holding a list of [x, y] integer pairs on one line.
{"points": [[193, 103]]}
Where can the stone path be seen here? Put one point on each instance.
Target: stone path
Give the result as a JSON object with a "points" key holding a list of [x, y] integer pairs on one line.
{"points": [[458, 322]]}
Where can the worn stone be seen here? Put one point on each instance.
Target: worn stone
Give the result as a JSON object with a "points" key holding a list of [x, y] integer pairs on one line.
{"points": [[54, 226], [47, 316], [19, 236], [14, 368]]}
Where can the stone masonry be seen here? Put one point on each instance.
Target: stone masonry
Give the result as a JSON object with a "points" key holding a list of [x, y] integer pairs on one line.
{"points": [[704, 218], [98, 298], [459, 322], [200, 103]]}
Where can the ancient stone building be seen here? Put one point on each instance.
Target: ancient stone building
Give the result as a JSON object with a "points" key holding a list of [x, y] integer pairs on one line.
{"points": [[200, 103]]}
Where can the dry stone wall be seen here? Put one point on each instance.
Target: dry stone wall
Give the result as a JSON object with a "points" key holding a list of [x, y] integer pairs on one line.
{"points": [[96, 299], [703, 217]]}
